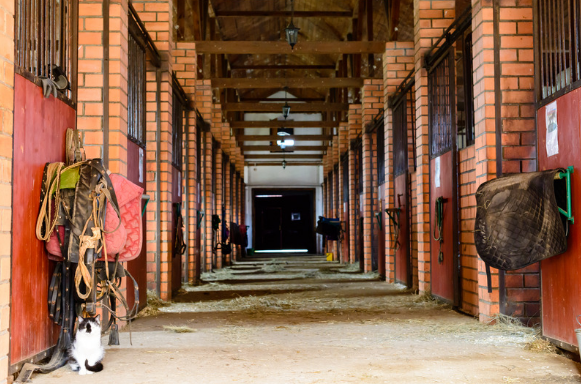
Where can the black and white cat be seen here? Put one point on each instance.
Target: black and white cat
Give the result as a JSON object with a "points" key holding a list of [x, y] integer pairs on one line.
{"points": [[86, 353]]}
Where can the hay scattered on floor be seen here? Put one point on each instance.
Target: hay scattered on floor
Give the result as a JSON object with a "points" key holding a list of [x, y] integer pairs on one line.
{"points": [[182, 329], [154, 303], [540, 345]]}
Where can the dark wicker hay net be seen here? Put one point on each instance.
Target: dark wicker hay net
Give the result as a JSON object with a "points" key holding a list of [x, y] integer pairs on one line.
{"points": [[518, 221]]}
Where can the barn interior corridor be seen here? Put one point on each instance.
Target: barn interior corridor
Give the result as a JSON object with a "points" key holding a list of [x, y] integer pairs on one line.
{"points": [[305, 320]]}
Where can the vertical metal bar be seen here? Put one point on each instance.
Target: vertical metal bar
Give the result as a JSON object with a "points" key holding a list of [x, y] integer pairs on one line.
{"points": [[538, 49], [568, 52], [553, 46], [74, 49], [53, 35], [106, 83], [158, 183], [575, 46], [558, 47]]}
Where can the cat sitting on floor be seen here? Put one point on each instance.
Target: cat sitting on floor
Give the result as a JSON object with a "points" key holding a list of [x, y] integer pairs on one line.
{"points": [[86, 352]]}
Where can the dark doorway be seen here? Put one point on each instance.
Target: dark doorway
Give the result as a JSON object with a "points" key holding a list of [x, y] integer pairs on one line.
{"points": [[284, 219]]}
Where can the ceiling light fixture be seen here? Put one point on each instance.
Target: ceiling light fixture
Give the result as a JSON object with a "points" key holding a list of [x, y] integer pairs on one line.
{"points": [[292, 32], [285, 107], [284, 131]]}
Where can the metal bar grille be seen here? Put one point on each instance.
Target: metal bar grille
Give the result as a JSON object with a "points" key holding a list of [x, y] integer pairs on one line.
{"points": [[178, 109], [464, 93], [380, 139], [345, 165], [404, 128], [558, 56], [440, 109], [44, 35], [136, 90]]}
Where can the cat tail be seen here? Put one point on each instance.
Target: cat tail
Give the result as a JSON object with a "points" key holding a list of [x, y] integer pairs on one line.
{"points": [[98, 367]]}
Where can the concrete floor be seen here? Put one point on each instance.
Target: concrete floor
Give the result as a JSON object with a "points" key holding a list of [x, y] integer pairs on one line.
{"points": [[307, 322]]}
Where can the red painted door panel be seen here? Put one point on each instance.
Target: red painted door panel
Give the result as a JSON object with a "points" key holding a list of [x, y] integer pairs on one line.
{"points": [[560, 275], [381, 237], [176, 268], [39, 137], [402, 255], [442, 273], [137, 267]]}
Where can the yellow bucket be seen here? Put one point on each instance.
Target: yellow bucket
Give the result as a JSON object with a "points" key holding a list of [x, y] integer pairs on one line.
{"points": [[329, 256]]}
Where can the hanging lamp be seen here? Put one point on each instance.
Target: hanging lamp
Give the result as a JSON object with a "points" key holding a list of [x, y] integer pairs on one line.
{"points": [[292, 32], [285, 108]]}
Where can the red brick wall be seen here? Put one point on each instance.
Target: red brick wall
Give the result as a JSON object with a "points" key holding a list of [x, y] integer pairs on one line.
{"points": [[354, 131], [518, 136], [372, 105], [468, 256], [156, 17], [6, 143], [184, 66], [398, 61]]}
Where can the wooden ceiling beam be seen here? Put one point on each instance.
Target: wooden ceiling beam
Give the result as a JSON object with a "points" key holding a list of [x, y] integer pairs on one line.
{"points": [[280, 156], [276, 148], [283, 67], [298, 14], [283, 123], [278, 164], [282, 47], [302, 82], [277, 107], [275, 138], [275, 99]]}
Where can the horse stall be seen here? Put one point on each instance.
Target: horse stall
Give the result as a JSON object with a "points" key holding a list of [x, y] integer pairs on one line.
{"points": [[136, 147], [400, 217], [449, 110], [39, 137], [179, 101]]}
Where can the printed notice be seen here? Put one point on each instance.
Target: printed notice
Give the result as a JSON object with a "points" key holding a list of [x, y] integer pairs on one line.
{"points": [[179, 183], [552, 140], [437, 172], [141, 159]]}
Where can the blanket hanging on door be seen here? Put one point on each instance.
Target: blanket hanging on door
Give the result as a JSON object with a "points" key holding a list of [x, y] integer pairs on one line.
{"points": [[518, 221]]}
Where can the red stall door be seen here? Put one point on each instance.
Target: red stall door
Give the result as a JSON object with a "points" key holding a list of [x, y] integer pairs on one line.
{"points": [[561, 277], [381, 236], [403, 254], [39, 137], [137, 267], [176, 267], [441, 185]]}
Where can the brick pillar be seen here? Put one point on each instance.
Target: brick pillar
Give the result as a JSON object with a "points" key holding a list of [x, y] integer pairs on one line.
{"points": [[91, 108], [354, 131], [184, 66], [398, 62], [6, 142], [228, 205], [372, 104], [156, 17], [431, 18], [516, 121]]}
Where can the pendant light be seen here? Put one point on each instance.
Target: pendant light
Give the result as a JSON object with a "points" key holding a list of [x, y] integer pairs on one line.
{"points": [[285, 107], [292, 32]]}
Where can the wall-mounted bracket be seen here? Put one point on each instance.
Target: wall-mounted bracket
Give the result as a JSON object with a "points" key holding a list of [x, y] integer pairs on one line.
{"points": [[567, 176]]}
